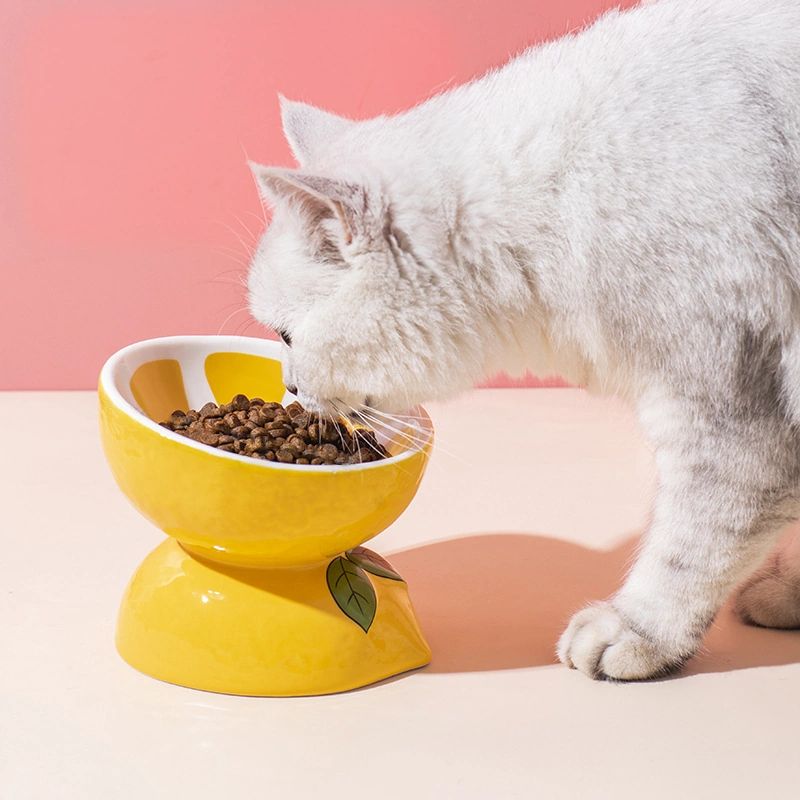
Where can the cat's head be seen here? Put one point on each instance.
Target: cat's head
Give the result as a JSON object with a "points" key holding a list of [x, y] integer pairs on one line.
{"points": [[354, 277]]}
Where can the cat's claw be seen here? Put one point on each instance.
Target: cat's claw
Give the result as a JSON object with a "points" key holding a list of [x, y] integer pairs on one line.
{"points": [[601, 644]]}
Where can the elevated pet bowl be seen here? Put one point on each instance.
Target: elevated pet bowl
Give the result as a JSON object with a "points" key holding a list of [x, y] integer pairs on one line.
{"points": [[263, 588]]}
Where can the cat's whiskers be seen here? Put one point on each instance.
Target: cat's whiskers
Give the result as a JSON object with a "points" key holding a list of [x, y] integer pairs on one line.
{"points": [[420, 441], [356, 438], [242, 328], [220, 282], [261, 205], [262, 220], [408, 420], [247, 249], [338, 430], [354, 413], [394, 415], [398, 436], [253, 237], [233, 255], [237, 303], [230, 316], [371, 421], [241, 276]]}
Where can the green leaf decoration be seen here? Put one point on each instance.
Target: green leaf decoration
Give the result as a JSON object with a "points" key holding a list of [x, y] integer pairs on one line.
{"points": [[352, 591], [372, 562]]}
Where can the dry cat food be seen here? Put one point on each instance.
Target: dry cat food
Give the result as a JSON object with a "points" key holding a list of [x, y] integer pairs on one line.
{"points": [[269, 431]]}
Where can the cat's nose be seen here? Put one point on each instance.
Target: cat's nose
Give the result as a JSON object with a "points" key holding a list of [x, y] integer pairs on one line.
{"points": [[291, 389]]}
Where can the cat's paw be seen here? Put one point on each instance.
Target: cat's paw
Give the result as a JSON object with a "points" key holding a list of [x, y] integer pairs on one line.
{"points": [[600, 643], [771, 598]]}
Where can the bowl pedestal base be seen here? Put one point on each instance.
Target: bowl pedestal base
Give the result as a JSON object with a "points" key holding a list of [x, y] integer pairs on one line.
{"points": [[306, 630]]}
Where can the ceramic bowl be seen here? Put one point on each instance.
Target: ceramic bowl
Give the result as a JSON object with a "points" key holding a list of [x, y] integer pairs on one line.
{"points": [[229, 507], [262, 587]]}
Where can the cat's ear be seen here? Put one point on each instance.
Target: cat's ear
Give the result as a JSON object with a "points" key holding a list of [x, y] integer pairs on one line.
{"points": [[316, 197], [308, 129]]}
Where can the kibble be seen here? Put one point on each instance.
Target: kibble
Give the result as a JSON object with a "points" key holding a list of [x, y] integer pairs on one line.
{"points": [[270, 432]]}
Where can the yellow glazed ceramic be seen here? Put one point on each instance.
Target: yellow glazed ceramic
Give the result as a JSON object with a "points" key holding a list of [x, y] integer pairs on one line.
{"points": [[263, 588]]}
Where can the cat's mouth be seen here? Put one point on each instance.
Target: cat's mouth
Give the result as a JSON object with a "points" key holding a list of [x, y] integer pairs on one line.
{"points": [[334, 408]]}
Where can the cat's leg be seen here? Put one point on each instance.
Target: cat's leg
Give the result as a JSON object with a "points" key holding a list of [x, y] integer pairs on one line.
{"points": [[771, 597], [727, 485]]}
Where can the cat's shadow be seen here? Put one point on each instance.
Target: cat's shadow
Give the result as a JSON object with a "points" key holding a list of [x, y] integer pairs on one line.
{"points": [[499, 601]]}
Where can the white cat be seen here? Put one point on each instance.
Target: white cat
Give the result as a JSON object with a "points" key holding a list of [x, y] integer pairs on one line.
{"points": [[621, 207]]}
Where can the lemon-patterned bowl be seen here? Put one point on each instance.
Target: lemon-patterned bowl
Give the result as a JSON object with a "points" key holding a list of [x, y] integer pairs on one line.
{"points": [[263, 587]]}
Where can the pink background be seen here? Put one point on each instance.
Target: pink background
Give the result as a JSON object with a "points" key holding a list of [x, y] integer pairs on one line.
{"points": [[126, 206]]}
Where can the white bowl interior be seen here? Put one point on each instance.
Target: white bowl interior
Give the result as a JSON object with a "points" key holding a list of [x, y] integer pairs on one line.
{"points": [[191, 353]]}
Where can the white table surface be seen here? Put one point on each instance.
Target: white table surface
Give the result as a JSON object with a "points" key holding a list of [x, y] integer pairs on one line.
{"points": [[498, 548]]}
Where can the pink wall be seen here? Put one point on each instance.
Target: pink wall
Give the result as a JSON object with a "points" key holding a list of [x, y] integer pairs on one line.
{"points": [[126, 207]]}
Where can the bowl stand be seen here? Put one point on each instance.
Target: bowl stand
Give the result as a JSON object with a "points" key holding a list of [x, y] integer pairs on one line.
{"points": [[239, 628]]}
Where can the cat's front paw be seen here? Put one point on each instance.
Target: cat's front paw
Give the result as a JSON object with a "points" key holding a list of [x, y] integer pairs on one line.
{"points": [[600, 643]]}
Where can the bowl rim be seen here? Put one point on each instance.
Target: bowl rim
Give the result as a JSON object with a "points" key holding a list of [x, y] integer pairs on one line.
{"points": [[251, 344]]}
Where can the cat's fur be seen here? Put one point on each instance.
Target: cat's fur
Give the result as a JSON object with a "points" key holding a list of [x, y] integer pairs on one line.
{"points": [[621, 207]]}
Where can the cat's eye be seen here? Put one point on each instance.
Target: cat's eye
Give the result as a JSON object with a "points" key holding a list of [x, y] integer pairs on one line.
{"points": [[285, 337]]}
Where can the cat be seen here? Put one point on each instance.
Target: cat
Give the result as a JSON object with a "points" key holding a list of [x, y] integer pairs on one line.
{"points": [[620, 207]]}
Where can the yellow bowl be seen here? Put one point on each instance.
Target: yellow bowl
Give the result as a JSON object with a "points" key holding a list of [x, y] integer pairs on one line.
{"points": [[226, 506], [259, 544]]}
